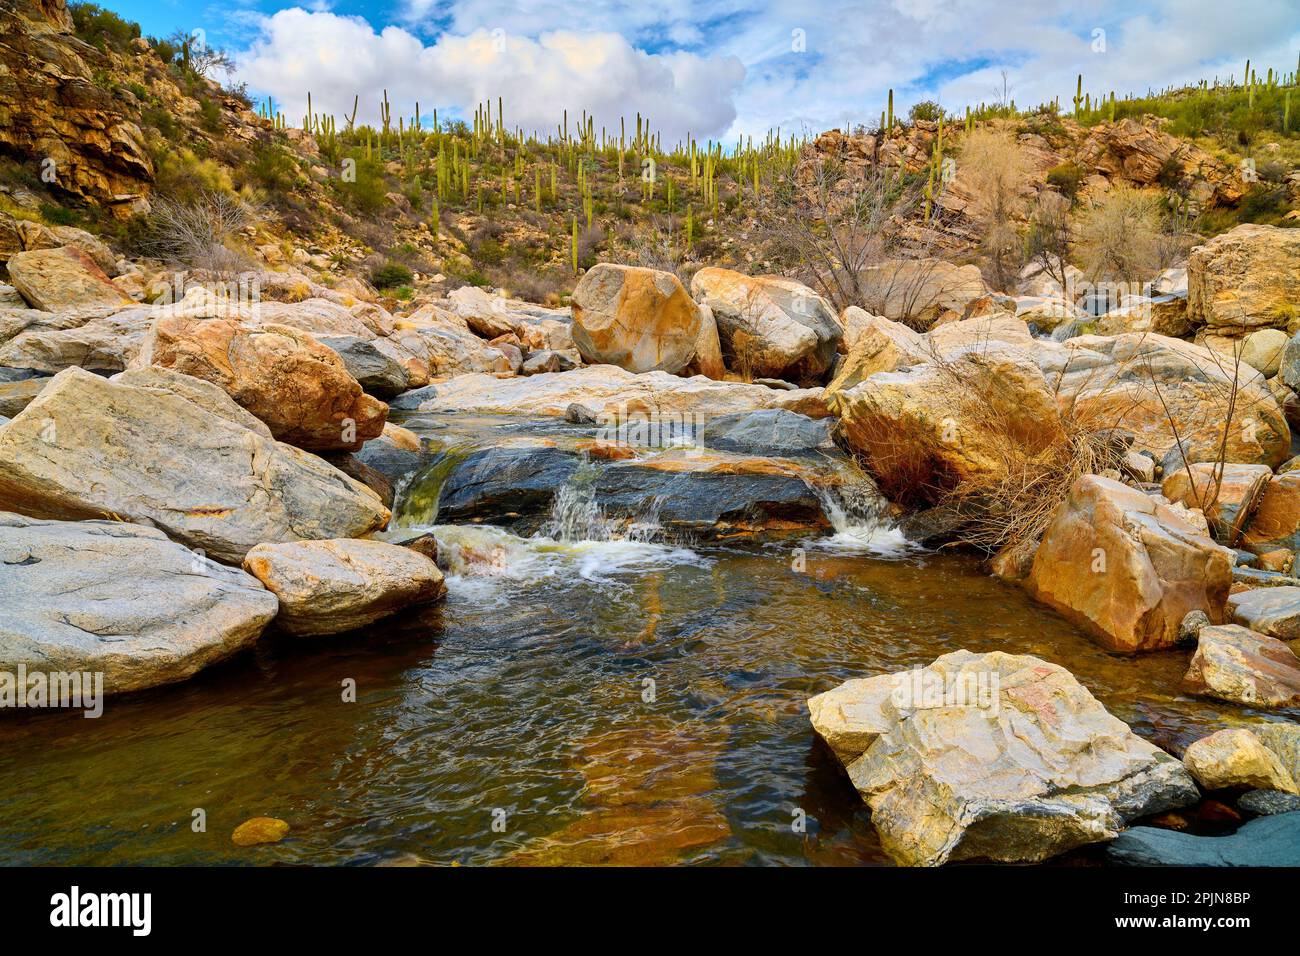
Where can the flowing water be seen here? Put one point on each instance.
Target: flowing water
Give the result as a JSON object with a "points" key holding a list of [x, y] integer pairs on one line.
{"points": [[582, 696]]}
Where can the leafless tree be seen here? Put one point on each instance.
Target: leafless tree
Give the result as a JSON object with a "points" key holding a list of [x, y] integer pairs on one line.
{"points": [[847, 232], [203, 234]]}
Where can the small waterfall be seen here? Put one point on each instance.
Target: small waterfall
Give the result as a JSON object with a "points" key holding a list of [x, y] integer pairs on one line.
{"points": [[415, 499], [575, 515], [859, 514]]}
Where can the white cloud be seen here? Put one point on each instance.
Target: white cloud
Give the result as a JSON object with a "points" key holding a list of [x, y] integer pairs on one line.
{"points": [[337, 57], [723, 67]]}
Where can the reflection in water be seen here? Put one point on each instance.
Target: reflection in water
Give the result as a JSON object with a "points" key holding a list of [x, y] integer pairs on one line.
{"points": [[617, 701]]}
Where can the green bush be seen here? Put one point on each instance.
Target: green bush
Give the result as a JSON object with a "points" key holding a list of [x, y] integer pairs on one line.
{"points": [[391, 275], [102, 28], [1067, 178], [927, 110]]}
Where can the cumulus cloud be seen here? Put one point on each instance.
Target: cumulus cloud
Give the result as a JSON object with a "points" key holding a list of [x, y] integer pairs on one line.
{"points": [[729, 67], [339, 57]]}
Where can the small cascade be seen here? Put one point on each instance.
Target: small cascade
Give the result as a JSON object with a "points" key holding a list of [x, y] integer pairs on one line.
{"points": [[859, 515], [415, 499], [575, 515]]}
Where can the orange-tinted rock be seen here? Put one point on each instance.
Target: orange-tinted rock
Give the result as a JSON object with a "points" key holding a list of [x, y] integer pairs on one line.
{"points": [[1243, 667], [55, 280], [926, 429], [1228, 494], [259, 830], [300, 388], [1127, 568], [1276, 523], [638, 319]]}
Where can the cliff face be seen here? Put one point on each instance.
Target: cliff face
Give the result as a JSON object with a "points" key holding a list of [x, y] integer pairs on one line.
{"points": [[57, 119]]}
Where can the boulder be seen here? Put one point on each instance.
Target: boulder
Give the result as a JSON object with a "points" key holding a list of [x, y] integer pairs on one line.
{"points": [[605, 390], [639, 319], [1265, 803], [1276, 524], [490, 316], [875, 344], [548, 360], [992, 756], [380, 366], [116, 598], [1263, 350], [1152, 385], [770, 326], [927, 429], [922, 292], [1271, 611], [66, 278], [159, 448], [1128, 568], [92, 340], [15, 396], [1237, 665], [1268, 841], [328, 587], [708, 349], [1236, 758], [703, 494], [1244, 279], [1227, 494], [772, 431], [394, 454], [300, 388]]}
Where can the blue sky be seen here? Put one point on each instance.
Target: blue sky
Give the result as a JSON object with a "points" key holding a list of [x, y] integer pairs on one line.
{"points": [[720, 68]]}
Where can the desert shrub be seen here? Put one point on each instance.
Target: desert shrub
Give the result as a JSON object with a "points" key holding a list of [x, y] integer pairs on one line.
{"points": [[1121, 236], [102, 28], [1066, 178], [57, 215], [185, 178], [271, 167], [833, 228], [391, 275], [927, 110], [202, 233], [1265, 203], [996, 170], [368, 192]]}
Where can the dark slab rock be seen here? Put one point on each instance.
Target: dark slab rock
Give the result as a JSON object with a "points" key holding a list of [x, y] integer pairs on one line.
{"points": [[1266, 841], [772, 431]]}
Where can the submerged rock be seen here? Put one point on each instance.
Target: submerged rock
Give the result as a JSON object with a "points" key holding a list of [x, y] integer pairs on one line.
{"points": [[121, 599], [259, 830], [328, 587], [1127, 568], [1268, 841], [992, 756], [159, 448]]}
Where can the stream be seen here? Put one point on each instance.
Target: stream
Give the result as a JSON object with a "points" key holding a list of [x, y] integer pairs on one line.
{"points": [[590, 692]]}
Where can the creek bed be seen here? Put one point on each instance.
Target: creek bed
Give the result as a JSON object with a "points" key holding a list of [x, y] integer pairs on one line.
{"points": [[617, 700]]}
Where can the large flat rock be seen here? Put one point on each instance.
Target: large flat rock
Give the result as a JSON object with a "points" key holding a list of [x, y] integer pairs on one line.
{"points": [[119, 599], [328, 587], [606, 389], [163, 449], [992, 756]]}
